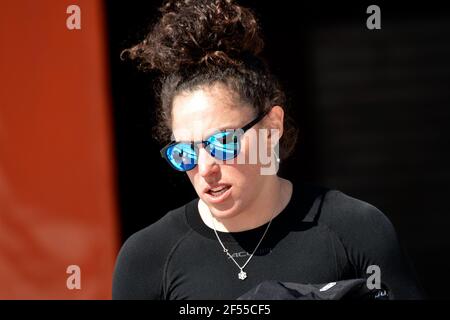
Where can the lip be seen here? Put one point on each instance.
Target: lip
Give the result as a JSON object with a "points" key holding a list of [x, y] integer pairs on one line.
{"points": [[221, 198], [205, 190]]}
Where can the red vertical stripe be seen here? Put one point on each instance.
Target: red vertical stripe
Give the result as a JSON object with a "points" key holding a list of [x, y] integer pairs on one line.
{"points": [[57, 204]]}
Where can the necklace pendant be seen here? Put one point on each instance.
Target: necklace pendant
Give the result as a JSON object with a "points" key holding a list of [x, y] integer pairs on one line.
{"points": [[242, 275]]}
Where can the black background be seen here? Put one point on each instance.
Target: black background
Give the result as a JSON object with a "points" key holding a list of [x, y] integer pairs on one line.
{"points": [[373, 107]]}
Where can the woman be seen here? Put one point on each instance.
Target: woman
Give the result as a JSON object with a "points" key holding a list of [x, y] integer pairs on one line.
{"points": [[222, 106]]}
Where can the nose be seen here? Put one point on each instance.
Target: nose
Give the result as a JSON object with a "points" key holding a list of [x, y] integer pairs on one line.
{"points": [[207, 165]]}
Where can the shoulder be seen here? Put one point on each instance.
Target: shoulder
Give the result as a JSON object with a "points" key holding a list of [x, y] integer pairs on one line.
{"points": [[370, 239], [139, 267], [171, 226], [364, 230], [341, 212], [163, 233]]}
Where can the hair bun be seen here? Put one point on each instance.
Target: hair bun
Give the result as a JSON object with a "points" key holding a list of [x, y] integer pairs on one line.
{"points": [[198, 33]]}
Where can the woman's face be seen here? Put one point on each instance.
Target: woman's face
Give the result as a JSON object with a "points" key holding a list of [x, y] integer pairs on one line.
{"points": [[226, 187]]}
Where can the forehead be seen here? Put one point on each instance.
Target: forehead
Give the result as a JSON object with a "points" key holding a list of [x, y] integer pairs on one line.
{"points": [[198, 113]]}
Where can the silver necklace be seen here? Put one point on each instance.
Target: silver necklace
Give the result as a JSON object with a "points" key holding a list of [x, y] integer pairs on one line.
{"points": [[242, 274]]}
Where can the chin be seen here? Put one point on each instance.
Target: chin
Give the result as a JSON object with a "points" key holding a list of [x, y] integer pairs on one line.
{"points": [[225, 210]]}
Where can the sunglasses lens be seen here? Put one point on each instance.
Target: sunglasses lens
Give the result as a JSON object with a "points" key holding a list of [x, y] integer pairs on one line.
{"points": [[182, 156], [224, 145]]}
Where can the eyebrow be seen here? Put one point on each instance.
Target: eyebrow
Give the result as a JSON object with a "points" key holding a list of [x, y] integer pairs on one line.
{"points": [[209, 132], [218, 129]]}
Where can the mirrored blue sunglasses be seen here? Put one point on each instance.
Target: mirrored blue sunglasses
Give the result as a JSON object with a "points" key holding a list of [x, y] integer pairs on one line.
{"points": [[222, 145]]}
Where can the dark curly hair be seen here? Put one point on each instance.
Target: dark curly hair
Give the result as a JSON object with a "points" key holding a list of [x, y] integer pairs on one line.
{"points": [[205, 42]]}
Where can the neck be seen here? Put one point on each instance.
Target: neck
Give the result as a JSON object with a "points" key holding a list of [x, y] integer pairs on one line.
{"points": [[270, 202]]}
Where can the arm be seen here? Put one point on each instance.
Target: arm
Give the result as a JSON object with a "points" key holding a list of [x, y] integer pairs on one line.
{"points": [[370, 239], [138, 273]]}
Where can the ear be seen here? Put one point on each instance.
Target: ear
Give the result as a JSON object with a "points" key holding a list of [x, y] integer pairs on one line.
{"points": [[274, 120]]}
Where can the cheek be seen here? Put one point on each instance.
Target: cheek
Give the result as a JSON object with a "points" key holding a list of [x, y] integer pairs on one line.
{"points": [[243, 175], [253, 147]]}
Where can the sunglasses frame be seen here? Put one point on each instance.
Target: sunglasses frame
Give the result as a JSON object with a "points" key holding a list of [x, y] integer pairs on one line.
{"points": [[195, 144]]}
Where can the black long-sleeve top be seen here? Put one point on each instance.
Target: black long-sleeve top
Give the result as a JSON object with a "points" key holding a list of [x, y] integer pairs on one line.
{"points": [[321, 236]]}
